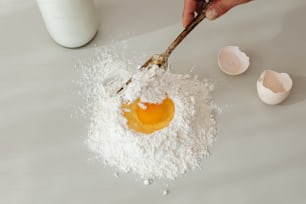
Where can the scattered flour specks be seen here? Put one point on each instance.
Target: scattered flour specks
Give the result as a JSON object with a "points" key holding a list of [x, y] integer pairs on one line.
{"points": [[167, 153]]}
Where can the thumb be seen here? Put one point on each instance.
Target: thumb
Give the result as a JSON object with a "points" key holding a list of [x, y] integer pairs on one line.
{"points": [[219, 7]]}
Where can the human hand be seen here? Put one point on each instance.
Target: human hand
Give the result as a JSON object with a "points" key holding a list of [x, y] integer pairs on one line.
{"points": [[215, 9]]}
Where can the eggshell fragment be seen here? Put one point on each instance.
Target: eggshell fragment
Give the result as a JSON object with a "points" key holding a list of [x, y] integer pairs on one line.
{"points": [[273, 87], [232, 60]]}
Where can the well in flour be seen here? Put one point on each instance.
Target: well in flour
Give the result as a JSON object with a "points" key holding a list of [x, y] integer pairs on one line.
{"points": [[167, 152]]}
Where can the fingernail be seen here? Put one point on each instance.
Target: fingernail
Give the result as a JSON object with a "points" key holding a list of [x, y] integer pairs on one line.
{"points": [[211, 14]]}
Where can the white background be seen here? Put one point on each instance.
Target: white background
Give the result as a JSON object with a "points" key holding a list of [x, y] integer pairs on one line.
{"points": [[259, 155]]}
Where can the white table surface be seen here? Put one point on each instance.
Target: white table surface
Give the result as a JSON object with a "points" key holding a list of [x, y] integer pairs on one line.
{"points": [[260, 152]]}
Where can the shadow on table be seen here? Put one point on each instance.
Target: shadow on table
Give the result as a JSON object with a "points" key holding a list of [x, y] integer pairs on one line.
{"points": [[123, 20], [298, 92]]}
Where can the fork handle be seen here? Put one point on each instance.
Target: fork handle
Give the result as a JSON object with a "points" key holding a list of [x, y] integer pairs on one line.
{"points": [[187, 30]]}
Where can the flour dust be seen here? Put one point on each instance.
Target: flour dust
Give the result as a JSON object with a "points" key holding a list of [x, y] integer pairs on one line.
{"points": [[167, 153]]}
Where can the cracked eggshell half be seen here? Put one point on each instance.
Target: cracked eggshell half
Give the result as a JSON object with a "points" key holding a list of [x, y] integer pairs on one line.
{"points": [[232, 60], [273, 87]]}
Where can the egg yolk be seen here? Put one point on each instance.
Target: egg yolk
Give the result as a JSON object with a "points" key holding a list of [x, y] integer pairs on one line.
{"points": [[146, 117]]}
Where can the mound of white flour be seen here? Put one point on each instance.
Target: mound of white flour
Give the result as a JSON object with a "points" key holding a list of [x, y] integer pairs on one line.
{"points": [[166, 153]]}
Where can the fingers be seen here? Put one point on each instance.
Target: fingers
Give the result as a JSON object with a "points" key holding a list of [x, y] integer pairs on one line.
{"points": [[190, 6], [216, 8], [220, 7], [199, 7]]}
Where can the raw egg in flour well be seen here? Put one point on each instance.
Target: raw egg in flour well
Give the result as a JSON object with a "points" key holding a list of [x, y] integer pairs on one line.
{"points": [[147, 117]]}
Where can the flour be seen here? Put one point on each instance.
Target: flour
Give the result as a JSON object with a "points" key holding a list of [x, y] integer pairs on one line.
{"points": [[167, 153], [165, 192]]}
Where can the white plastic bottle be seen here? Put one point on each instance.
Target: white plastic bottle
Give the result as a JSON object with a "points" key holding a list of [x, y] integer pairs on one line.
{"points": [[71, 23]]}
